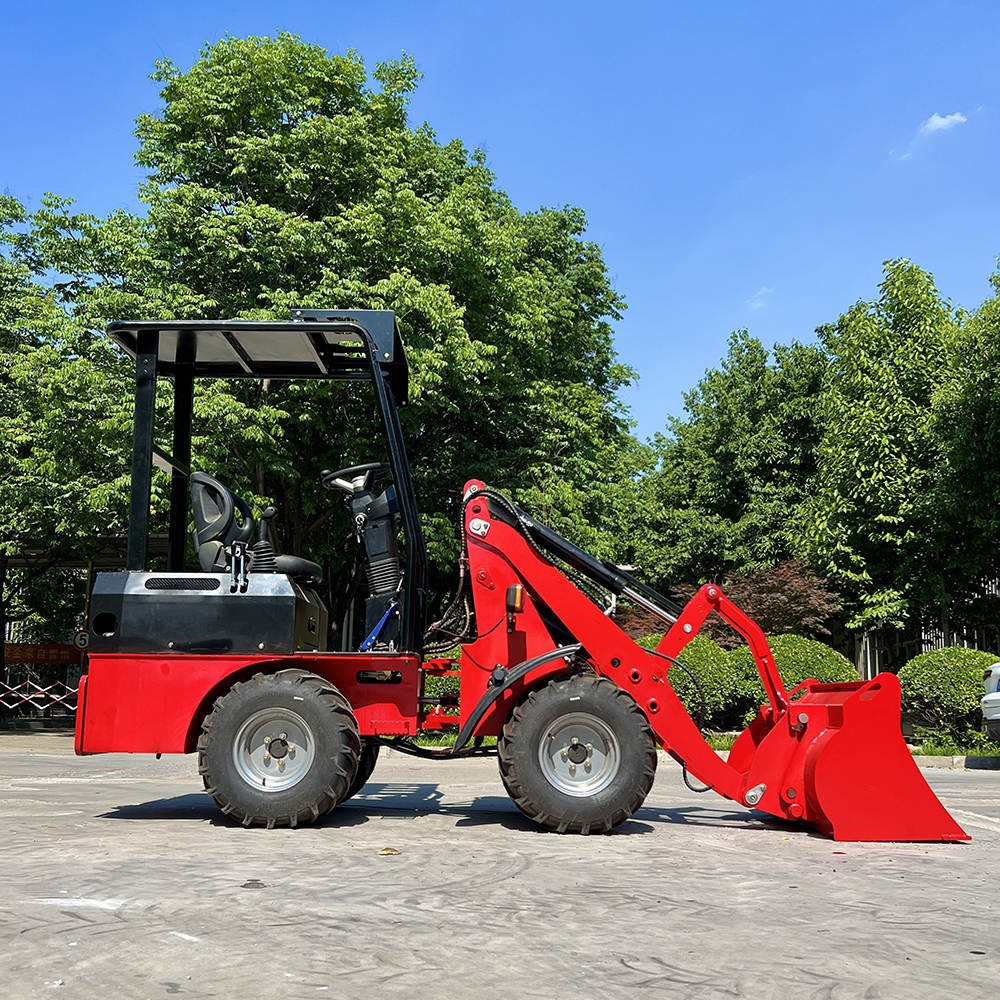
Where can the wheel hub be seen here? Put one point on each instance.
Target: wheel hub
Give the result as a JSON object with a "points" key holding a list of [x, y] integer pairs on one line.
{"points": [[579, 754], [274, 749]]}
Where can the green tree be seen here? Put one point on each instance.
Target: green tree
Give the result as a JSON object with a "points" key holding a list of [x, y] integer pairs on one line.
{"points": [[966, 422], [63, 425], [279, 176], [872, 525], [782, 599], [731, 476]]}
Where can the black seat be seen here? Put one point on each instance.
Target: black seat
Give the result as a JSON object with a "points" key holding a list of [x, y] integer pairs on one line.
{"points": [[215, 525], [303, 570], [216, 528]]}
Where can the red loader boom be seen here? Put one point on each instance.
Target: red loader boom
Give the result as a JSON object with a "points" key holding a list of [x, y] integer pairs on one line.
{"points": [[830, 755]]}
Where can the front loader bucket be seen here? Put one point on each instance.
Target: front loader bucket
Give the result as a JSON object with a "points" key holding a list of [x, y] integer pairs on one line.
{"points": [[837, 761]]}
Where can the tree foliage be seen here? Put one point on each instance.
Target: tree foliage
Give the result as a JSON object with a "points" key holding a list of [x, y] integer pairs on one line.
{"points": [[851, 478], [966, 423], [870, 524], [62, 427], [728, 475], [782, 599], [282, 177]]}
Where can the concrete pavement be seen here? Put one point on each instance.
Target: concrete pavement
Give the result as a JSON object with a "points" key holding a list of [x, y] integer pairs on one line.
{"points": [[120, 879]]}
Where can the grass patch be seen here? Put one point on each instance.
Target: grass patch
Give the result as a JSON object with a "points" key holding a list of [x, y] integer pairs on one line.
{"points": [[944, 745], [720, 741], [438, 739]]}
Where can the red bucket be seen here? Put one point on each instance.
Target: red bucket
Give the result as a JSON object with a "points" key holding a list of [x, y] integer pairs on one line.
{"points": [[837, 760]]}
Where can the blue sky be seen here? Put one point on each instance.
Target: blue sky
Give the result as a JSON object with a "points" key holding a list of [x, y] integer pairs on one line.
{"points": [[741, 165]]}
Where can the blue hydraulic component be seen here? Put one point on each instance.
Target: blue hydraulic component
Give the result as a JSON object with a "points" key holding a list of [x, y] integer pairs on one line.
{"points": [[393, 609]]}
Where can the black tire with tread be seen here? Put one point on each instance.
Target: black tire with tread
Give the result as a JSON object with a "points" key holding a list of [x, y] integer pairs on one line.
{"points": [[528, 786], [334, 730], [366, 765]]}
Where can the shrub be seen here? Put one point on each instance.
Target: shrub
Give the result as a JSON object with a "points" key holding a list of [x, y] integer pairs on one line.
{"points": [[797, 659], [783, 599], [707, 660], [942, 691]]}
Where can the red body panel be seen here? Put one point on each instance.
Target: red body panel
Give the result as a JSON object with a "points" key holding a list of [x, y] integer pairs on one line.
{"points": [[155, 703]]}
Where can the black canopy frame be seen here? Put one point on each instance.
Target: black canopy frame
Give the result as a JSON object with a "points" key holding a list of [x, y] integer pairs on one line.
{"points": [[352, 345]]}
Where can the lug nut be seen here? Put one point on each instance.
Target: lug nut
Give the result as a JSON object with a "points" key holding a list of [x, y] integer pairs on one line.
{"points": [[572, 769], [282, 736], [564, 755], [267, 740], [267, 758], [586, 765], [281, 764], [574, 741]]}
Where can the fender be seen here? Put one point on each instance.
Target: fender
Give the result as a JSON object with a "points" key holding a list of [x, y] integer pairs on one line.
{"points": [[510, 678]]}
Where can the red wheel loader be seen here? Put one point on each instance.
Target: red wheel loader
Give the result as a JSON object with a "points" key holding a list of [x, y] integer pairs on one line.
{"points": [[226, 654]]}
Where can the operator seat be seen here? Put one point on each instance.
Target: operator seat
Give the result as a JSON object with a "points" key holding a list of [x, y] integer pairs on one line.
{"points": [[216, 528]]}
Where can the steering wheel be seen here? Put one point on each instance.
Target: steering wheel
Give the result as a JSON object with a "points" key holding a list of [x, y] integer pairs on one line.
{"points": [[353, 479]]}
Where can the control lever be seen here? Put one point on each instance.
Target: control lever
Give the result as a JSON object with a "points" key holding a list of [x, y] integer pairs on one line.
{"points": [[263, 553], [268, 515]]}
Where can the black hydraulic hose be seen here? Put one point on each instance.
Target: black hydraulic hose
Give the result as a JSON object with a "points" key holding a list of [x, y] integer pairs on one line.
{"points": [[704, 711], [440, 626], [605, 573], [528, 526], [406, 746]]}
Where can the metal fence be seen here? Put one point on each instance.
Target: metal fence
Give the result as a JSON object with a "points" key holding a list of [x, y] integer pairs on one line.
{"points": [[30, 697]]}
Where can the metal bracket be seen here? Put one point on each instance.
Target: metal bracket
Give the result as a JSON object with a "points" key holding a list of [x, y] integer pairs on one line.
{"points": [[372, 637], [240, 569]]}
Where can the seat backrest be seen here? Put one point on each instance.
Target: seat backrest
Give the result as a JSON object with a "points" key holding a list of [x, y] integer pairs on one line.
{"points": [[215, 525]]}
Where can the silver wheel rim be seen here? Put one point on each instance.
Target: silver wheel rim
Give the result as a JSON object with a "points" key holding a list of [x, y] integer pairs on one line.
{"points": [[274, 749], [579, 754]]}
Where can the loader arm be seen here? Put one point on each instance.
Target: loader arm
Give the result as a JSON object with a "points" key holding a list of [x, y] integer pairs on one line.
{"points": [[834, 758], [500, 556]]}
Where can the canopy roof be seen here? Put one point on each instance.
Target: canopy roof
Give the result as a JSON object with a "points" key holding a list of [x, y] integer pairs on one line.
{"points": [[314, 344]]}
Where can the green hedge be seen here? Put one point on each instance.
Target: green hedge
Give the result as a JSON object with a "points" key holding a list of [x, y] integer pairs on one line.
{"points": [[707, 660], [798, 659], [942, 691], [732, 686]]}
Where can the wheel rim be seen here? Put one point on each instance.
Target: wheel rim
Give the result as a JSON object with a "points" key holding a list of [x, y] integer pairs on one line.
{"points": [[274, 749], [579, 754]]}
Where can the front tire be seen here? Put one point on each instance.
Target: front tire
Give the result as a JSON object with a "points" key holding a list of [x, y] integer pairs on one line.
{"points": [[279, 749], [578, 755]]}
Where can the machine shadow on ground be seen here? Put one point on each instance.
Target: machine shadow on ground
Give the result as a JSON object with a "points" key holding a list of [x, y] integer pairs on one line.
{"points": [[387, 800]]}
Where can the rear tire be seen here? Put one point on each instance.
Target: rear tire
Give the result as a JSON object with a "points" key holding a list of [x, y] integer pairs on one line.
{"points": [[279, 749], [578, 755], [366, 764]]}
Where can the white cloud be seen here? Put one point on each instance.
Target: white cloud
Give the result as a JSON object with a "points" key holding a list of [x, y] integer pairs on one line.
{"points": [[759, 298], [928, 128], [940, 123]]}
